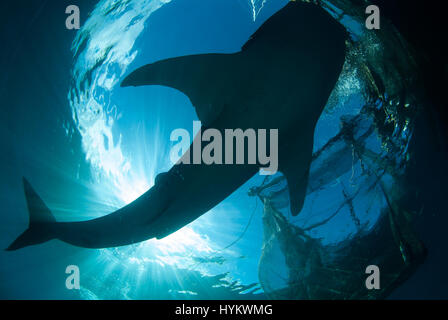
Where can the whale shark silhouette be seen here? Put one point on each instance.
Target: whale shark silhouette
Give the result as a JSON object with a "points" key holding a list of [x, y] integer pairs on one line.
{"points": [[281, 79]]}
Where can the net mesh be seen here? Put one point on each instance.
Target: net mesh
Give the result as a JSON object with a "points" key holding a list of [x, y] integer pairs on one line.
{"points": [[358, 210]]}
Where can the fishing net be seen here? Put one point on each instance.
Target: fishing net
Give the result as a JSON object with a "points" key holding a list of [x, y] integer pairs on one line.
{"points": [[359, 209]]}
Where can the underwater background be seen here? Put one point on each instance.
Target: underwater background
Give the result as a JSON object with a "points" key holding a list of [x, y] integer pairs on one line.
{"points": [[90, 147]]}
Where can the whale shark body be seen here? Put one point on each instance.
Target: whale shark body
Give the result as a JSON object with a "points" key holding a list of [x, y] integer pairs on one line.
{"points": [[281, 79]]}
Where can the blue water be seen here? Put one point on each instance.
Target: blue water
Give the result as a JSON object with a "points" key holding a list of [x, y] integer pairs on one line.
{"points": [[87, 168], [89, 147]]}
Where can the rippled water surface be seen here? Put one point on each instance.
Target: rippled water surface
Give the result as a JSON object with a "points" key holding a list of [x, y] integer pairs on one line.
{"points": [[90, 147]]}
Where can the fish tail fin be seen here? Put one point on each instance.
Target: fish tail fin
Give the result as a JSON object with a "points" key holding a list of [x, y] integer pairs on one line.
{"points": [[40, 218]]}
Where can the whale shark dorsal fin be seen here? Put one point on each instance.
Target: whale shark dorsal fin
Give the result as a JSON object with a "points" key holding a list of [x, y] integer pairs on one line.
{"points": [[200, 77], [295, 166]]}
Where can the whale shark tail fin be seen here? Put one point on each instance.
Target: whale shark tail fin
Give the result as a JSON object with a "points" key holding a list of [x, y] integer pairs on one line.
{"points": [[40, 218]]}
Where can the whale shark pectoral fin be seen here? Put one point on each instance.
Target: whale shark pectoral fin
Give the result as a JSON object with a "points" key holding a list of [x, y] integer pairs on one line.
{"points": [[295, 166], [200, 77], [297, 184]]}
